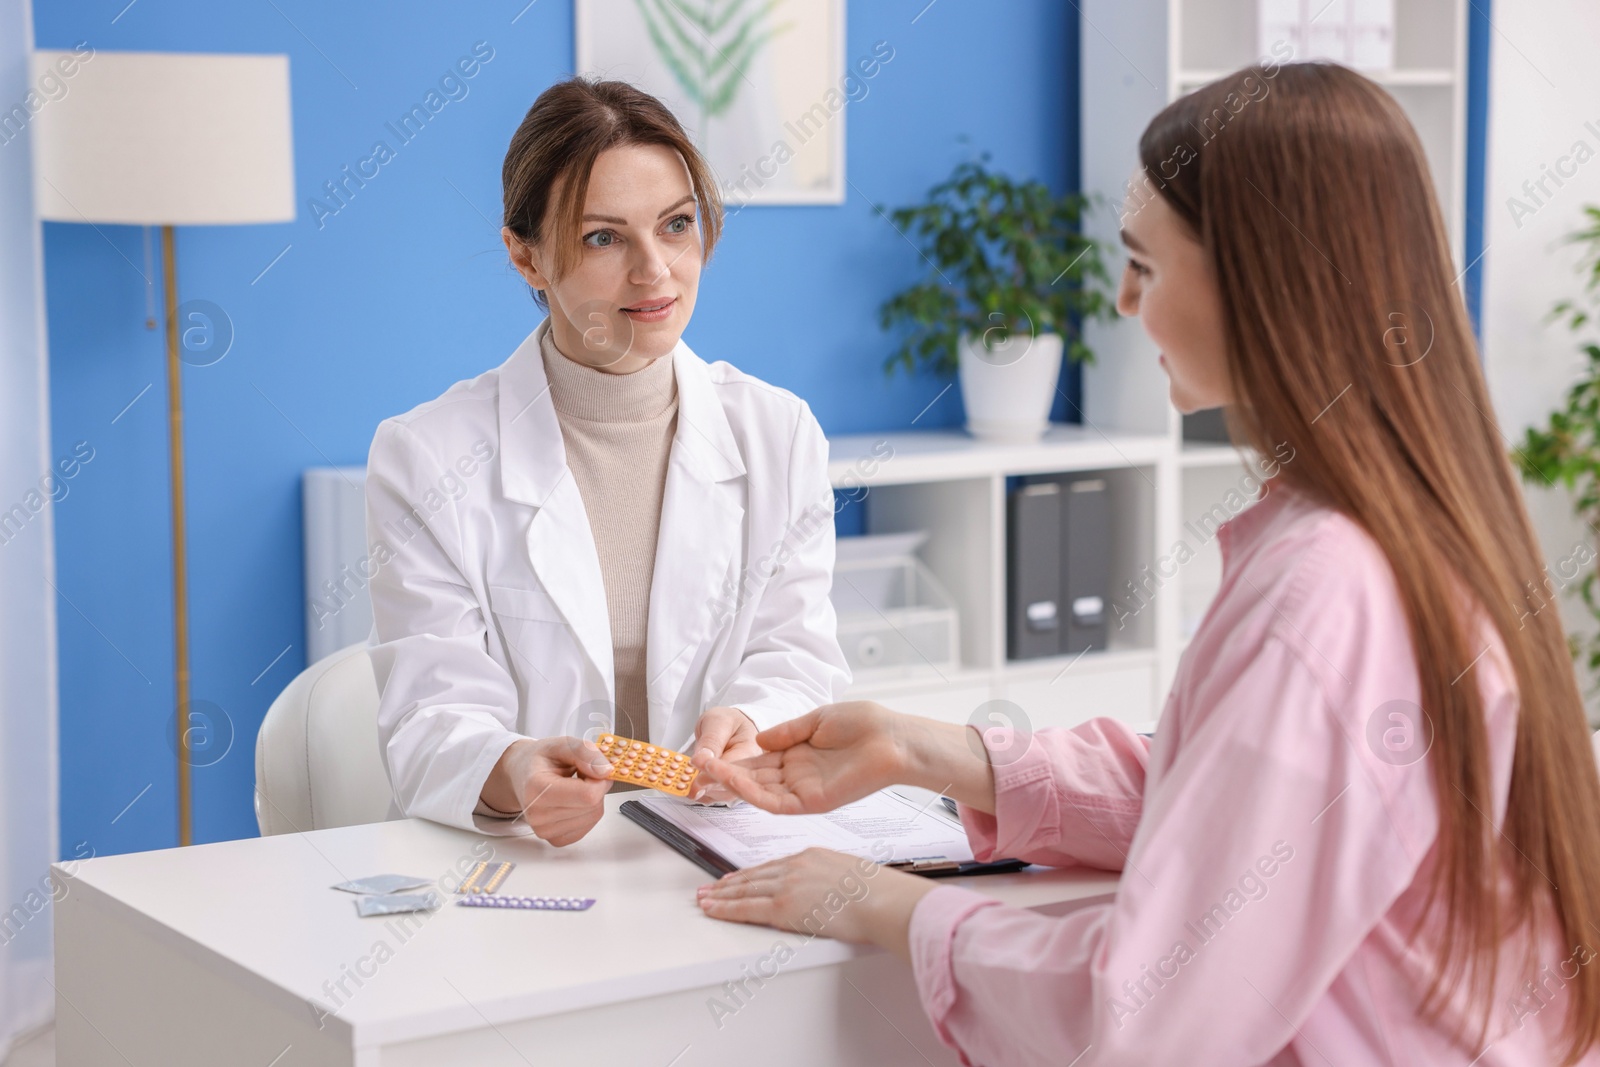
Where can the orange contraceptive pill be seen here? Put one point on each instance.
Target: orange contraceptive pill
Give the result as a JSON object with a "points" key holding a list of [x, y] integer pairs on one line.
{"points": [[641, 763]]}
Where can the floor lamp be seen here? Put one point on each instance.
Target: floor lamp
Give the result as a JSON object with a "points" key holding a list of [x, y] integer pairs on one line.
{"points": [[165, 139]]}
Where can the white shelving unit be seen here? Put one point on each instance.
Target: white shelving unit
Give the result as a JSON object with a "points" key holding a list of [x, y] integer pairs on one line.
{"points": [[954, 486], [1209, 38], [1137, 56]]}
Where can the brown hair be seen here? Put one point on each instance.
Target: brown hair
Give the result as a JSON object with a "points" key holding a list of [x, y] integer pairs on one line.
{"points": [[554, 150], [1313, 202]]}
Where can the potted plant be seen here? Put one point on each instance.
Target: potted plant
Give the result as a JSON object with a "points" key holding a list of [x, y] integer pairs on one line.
{"points": [[1011, 279], [1566, 449]]}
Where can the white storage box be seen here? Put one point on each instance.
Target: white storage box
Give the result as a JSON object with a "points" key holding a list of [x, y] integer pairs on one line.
{"points": [[895, 619]]}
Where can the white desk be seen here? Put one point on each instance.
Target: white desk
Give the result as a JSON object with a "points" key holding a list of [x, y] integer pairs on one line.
{"points": [[218, 954]]}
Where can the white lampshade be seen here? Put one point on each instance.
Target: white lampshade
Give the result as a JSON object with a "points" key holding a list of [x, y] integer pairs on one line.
{"points": [[162, 138]]}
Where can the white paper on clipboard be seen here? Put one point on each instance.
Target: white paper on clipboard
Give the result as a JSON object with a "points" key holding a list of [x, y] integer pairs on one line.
{"points": [[895, 824]]}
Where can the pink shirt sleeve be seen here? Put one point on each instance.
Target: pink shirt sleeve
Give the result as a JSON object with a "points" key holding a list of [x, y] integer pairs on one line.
{"points": [[1266, 853], [1072, 798]]}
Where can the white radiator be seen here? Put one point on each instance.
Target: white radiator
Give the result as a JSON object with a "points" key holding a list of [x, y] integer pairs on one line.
{"points": [[338, 563]]}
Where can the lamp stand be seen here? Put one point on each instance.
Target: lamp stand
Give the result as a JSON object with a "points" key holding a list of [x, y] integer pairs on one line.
{"points": [[180, 572]]}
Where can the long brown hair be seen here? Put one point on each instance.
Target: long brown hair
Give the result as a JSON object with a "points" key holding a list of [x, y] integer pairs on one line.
{"points": [[1310, 193], [554, 150]]}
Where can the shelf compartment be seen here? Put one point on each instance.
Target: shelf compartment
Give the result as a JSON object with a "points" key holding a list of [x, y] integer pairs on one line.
{"points": [[1132, 547], [895, 620], [1210, 496], [1217, 36], [1133, 550], [961, 550]]}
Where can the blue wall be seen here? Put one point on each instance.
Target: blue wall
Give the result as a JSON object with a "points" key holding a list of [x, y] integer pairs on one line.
{"points": [[405, 291]]}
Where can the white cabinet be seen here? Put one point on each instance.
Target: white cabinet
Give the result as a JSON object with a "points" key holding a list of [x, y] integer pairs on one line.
{"points": [[953, 486]]}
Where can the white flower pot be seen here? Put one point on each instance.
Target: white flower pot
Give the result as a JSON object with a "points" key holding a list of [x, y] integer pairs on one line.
{"points": [[1008, 389]]}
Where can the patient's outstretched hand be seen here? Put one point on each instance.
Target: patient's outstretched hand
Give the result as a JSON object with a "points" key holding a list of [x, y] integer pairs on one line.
{"points": [[826, 758]]}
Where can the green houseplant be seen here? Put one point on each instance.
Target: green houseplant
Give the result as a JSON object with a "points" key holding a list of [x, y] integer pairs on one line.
{"points": [[1012, 277], [1566, 449]]}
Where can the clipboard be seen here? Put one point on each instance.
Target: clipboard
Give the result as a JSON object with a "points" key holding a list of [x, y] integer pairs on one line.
{"points": [[715, 864]]}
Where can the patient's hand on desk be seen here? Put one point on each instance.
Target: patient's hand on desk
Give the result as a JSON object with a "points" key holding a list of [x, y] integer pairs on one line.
{"points": [[817, 762], [558, 783], [796, 893], [723, 733]]}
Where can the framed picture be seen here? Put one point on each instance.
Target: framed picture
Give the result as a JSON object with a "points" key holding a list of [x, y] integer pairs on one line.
{"points": [[758, 84]]}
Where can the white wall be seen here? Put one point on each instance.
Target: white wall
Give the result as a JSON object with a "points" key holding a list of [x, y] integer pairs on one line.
{"points": [[28, 771], [1544, 86]]}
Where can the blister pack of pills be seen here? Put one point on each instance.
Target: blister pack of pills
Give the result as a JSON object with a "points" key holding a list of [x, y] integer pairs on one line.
{"points": [[529, 903], [485, 877], [641, 763]]}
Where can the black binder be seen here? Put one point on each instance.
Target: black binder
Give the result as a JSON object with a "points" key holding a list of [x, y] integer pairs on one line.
{"points": [[1033, 570], [1085, 563], [715, 864], [1058, 564]]}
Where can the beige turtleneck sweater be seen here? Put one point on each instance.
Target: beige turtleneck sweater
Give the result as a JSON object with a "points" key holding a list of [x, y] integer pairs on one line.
{"points": [[618, 431]]}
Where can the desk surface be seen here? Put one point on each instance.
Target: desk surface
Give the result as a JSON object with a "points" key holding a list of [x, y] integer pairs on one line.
{"points": [[261, 910]]}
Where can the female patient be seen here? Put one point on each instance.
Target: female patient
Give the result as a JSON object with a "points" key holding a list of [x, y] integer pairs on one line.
{"points": [[604, 532], [1368, 828]]}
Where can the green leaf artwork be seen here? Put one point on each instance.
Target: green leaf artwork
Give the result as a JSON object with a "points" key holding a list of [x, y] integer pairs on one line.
{"points": [[708, 45]]}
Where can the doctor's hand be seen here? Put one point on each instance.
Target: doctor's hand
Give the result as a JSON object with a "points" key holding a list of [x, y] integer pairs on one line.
{"points": [[723, 733], [559, 784]]}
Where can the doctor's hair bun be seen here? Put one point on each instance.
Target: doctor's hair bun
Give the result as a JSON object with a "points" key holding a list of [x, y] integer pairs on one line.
{"points": [[554, 149]]}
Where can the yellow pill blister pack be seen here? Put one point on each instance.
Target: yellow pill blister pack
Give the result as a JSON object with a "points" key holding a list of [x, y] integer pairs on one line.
{"points": [[641, 763], [485, 877]]}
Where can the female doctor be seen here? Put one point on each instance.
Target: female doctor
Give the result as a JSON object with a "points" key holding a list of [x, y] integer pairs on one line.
{"points": [[605, 532]]}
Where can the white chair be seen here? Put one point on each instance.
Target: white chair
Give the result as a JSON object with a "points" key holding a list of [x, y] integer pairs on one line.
{"points": [[317, 761]]}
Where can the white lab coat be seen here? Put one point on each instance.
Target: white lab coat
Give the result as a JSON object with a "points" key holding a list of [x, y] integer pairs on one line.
{"points": [[489, 611]]}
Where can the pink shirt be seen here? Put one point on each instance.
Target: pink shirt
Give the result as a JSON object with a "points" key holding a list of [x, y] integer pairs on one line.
{"points": [[1275, 841]]}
